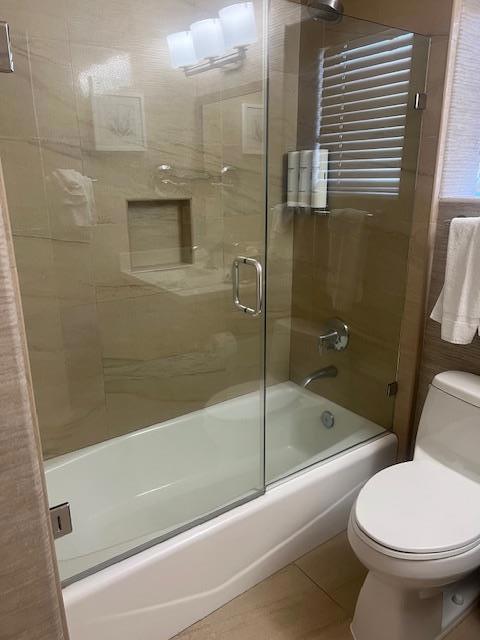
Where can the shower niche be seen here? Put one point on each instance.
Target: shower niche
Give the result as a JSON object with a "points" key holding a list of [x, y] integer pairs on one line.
{"points": [[159, 234]]}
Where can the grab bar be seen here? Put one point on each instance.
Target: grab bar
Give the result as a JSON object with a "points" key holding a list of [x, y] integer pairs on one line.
{"points": [[254, 312]]}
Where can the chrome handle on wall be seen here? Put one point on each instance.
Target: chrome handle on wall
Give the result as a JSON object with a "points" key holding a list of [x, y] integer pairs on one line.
{"points": [[254, 312], [336, 335]]}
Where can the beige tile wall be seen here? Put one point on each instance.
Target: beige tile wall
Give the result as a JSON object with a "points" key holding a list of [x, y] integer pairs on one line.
{"points": [[374, 359], [430, 17], [374, 314], [112, 350], [106, 357]]}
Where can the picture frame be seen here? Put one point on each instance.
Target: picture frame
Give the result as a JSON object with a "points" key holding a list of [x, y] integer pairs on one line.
{"points": [[119, 122], [252, 129]]}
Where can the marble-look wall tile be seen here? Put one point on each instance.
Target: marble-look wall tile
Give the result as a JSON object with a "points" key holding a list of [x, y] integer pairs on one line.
{"points": [[283, 43], [17, 113], [55, 269], [135, 328], [375, 316], [119, 23], [25, 19], [147, 71], [113, 349], [148, 379], [67, 221], [23, 169], [62, 331], [369, 363], [52, 86], [429, 17]]}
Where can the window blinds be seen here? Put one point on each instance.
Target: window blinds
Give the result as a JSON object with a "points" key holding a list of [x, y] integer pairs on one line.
{"points": [[363, 103]]}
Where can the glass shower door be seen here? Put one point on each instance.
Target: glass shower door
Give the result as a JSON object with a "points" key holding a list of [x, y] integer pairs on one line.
{"points": [[131, 139], [343, 148]]}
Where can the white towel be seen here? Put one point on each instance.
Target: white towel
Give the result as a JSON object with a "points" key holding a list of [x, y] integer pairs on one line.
{"points": [[78, 195], [347, 253], [458, 307], [280, 219]]}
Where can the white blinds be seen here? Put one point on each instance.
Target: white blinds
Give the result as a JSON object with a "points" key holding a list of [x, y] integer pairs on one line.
{"points": [[362, 112]]}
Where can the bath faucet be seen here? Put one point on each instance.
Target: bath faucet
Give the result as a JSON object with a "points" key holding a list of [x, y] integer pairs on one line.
{"points": [[326, 372]]}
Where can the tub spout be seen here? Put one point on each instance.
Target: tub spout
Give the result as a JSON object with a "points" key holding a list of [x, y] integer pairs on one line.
{"points": [[326, 372]]}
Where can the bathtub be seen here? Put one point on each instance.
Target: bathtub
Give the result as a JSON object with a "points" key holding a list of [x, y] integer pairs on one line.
{"points": [[136, 489]]}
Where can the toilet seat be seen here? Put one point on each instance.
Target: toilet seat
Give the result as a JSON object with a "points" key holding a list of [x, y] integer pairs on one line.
{"points": [[419, 510], [406, 555]]}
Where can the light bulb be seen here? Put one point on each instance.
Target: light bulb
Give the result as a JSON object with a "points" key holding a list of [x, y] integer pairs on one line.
{"points": [[208, 38], [182, 52], [238, 25]]}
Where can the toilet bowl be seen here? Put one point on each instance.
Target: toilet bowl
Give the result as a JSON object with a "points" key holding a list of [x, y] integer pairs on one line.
{"points": [[416, 526]]}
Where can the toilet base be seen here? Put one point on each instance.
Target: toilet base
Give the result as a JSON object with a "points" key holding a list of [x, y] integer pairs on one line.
{"points": [[385, 611], [458, 600]]}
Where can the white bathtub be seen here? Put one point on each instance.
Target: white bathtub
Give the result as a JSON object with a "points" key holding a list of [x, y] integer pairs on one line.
{"points": [[133, 489]]}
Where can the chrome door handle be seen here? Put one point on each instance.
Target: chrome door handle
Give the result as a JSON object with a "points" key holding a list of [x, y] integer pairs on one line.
{"points": [[254, 312]]}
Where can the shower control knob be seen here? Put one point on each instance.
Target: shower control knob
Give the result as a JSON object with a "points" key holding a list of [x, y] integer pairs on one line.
{"points": [[335, 336]]}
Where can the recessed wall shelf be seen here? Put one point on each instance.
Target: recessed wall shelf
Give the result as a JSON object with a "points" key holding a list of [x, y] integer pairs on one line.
{"points": [[159, 233]]}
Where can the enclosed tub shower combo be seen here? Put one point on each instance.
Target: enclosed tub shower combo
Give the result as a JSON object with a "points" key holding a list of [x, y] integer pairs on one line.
{"points": [[212, 249]]}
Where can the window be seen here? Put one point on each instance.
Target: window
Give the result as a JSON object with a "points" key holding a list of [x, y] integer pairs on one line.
{"points": [[364, 99]]}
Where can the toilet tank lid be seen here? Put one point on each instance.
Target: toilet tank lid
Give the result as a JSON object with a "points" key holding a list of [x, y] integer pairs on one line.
{"points": [[461, 385]]}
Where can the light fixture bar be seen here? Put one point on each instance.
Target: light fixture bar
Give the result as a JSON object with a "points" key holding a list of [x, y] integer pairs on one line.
{"points": [[234, 58]]}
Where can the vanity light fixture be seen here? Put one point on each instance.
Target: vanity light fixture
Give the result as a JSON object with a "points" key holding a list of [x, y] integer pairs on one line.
{"points": [[215, 43]]}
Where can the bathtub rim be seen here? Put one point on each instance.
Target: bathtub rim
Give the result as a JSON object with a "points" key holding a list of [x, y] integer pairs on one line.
{"points": [[213, 515], [149, 544]]}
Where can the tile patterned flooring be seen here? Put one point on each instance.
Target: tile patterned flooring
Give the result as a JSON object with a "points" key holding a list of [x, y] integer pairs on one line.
{"points": [[310, 599]]}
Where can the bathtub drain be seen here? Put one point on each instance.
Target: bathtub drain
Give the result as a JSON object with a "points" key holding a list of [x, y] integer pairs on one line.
{"points": [[328, 419]]}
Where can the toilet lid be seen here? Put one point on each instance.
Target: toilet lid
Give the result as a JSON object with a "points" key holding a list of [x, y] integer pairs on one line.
{"points": [[420, 507]]}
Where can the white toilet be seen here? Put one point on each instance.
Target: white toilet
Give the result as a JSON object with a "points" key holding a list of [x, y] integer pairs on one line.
{"points": [[416, 525]]}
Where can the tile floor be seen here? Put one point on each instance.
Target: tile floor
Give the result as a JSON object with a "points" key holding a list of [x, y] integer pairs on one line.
{"points": [[311, 599]]}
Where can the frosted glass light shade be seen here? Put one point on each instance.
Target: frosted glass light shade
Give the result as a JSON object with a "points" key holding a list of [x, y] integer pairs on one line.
{"points": [[182, 52], [238, 24], [208, 38]]}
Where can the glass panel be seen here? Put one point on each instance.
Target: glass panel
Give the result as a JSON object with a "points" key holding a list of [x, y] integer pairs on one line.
{"points": [[340, 220], [135, 176]]}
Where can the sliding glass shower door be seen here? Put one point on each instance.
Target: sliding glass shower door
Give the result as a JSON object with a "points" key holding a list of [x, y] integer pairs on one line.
{"points": [[132, 146]]}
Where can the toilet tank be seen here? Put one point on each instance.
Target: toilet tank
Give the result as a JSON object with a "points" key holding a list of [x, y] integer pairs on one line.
{"points": [[449, 429]]}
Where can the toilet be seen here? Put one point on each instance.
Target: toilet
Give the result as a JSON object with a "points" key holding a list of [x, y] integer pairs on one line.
{"points": [[416, 526]]}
